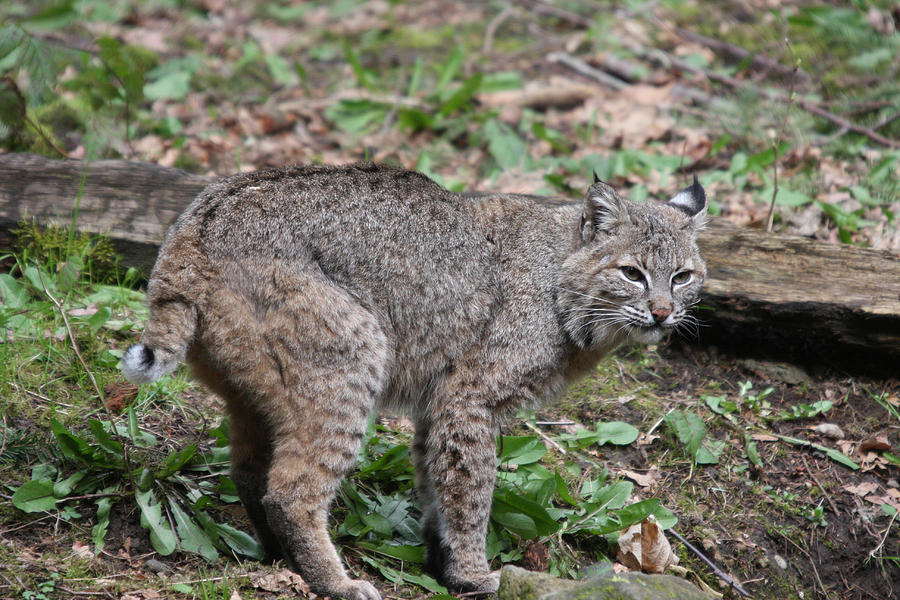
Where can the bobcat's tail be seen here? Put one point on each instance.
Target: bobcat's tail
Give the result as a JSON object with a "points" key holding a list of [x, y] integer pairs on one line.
{"points": [[164, 342]]}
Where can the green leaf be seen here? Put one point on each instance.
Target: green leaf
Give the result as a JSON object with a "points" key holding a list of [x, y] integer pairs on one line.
{"points": [[454, 62], [363, 75], [69, 273], [280, 70], [171, 86], [99, 318], [404, 552], [12, 294], [691, 431], [240, 541], [162, 537], [521, 450], [191, 537], [616, 432], [509, 510], [63, 488], [71, 445], [34, 496], [461, 96], [105, 440], [98, 531], [505, 146], [563, 491], [175, 461], [637, 512], [830, 452]]}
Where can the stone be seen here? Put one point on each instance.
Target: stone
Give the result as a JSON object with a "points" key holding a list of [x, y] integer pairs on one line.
{"points": [[518, 584]]}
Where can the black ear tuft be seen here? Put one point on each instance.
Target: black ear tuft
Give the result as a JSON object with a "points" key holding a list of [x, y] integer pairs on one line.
{"points": [[596, 177], [691, 200]]}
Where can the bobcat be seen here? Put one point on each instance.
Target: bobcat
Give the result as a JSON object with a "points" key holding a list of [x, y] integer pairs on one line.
{"points": [[309, 296]]}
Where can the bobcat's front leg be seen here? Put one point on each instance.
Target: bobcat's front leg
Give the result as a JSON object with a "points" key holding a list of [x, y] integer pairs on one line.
{"points": [[460, 461]]}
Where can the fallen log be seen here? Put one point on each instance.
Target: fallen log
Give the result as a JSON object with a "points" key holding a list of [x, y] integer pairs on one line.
{"points": [[766, 294]]}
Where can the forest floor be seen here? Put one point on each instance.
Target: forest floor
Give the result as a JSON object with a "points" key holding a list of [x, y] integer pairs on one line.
{"points": [[801, 496]]}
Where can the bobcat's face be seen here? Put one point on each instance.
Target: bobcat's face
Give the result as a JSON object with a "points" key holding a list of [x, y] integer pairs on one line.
{"points": [[638, 271]]}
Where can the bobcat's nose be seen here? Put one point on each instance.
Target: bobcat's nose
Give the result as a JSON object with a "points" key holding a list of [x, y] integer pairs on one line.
{"points": [[660, 314]]}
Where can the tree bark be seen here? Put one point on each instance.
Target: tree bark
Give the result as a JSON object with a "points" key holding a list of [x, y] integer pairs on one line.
{"points": [[767, 294]]}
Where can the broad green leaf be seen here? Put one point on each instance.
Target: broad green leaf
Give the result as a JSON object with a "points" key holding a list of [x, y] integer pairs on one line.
{"points": [[280, 70], [69, 273], [12, 294], [504, 144], [171, 86], [461, 96], [111, 446], [98, 531], [34, 496], [404, 552], [635, 513], [175, 461], [691, 431], [506, 505], [162, 537], [240, 541], [71, 445], [99, 318], [563, 491], [191, 537], [521, 450], [454, 61], [616, 432], [63, 488], [363, 75]]}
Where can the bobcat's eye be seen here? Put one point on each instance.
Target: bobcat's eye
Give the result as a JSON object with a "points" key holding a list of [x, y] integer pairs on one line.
{"points": [[632, 273], [682, 277]]}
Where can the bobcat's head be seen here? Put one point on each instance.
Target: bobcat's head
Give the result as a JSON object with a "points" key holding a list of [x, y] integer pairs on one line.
{"points": [[636, 270]]}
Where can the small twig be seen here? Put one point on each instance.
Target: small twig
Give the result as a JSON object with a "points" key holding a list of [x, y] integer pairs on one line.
{"points": [[770, 218], [581, 67], [819, 484], [884, 537], [551, 423], [659, 422], [546, 438], [666, 59], [491, 30], [560, 13], [759, 61], [716, 570], [90, 374]]}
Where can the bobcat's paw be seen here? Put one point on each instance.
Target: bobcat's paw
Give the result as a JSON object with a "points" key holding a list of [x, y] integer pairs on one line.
{"points": [[484, 583], [356, 589]]}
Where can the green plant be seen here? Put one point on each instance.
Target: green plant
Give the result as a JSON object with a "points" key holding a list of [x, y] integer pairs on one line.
{"points": [[45, 590], [690, 430]]}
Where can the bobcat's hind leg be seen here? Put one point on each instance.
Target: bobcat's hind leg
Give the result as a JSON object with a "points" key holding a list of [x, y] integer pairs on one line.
{"points": [[314, 362], [251, 449]]}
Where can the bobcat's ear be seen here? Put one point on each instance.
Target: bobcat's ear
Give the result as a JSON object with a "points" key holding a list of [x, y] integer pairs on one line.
{"points": [[603, 209], [692, 201]]}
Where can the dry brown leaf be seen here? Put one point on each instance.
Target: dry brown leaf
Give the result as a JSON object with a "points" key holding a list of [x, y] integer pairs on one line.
{"points": [[763, 437], [80, 550], [278, 581], [878, 444], [861, 489], [829, 430], [235, 595], [648, 479], [644, 546], [645, 439]]}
